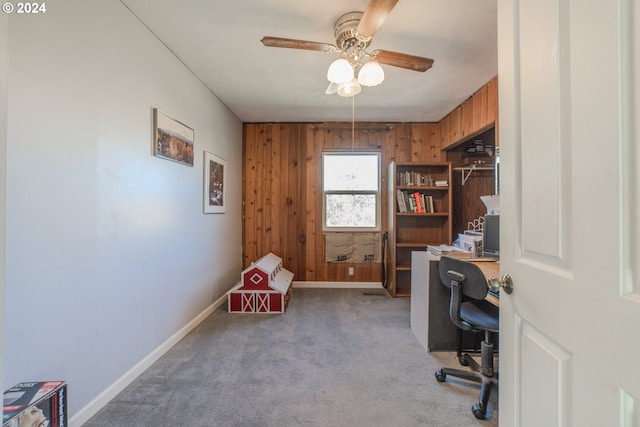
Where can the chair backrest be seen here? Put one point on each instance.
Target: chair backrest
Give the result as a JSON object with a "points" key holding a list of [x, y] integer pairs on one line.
{"points": [[474, 284], [463, 279]]}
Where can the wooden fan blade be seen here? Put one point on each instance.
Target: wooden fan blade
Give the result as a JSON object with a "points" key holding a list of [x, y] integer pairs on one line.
{"points": [[374, 16], [402, 60], [297, 44]]}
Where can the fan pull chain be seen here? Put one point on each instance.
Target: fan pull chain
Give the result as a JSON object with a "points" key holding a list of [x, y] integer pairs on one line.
{"points": [[353, 123]]}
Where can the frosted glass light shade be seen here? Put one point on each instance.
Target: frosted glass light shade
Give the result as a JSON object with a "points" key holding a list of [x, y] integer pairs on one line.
{"points": [[351, 88], [371, 74], [340, 71], [331, 89]]}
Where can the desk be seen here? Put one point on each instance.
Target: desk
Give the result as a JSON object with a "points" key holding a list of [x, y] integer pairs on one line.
{"points": [[490, 268], [430, 321]]}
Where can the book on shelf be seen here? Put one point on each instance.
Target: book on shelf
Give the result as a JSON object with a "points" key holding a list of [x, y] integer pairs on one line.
{"points": [[430, 202], [412, 178], [402, 207], [411, 203], [418, 197], [441, 183], [414, 202]]}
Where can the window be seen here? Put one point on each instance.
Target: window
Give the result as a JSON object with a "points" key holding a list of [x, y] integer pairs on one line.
{"points": [[351, 191]]}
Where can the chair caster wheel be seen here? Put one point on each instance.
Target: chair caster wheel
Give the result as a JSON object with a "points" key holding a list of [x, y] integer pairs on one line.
{"points": [[463, 361], [479, 411], [440, 376]]}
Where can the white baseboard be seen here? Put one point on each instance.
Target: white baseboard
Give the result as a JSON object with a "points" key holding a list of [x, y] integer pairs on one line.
{"points": [[89, 410], [342, 285]]}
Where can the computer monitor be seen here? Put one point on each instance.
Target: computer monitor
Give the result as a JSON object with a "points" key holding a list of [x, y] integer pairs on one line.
{"points": [[491, 236]]}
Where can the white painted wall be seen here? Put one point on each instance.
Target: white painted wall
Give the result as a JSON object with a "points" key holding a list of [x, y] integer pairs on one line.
{"points": [[108, 251]]}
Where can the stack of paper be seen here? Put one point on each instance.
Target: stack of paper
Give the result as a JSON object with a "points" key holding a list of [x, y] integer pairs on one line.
{"points": [[451, 251]]}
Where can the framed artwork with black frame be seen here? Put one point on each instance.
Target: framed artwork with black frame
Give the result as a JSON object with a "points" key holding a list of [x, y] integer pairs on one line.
{"points": [[215, 169]]}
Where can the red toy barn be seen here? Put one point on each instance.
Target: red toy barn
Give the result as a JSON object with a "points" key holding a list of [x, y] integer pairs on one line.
{"points": [[265, 287]]}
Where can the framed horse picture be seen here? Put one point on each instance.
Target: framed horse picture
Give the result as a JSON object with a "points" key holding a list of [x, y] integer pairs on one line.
{"points": [[215, 170]]}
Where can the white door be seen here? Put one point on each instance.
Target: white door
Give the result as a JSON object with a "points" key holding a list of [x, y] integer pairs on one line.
{"points": [[569, 131]]}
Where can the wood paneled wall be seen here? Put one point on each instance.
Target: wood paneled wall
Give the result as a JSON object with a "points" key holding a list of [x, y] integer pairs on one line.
{"points": [[283, 194], [475, 115], [467, 204], [282, 179]]}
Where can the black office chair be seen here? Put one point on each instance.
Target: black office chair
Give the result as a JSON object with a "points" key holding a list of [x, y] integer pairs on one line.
{"points": [[469, 311]]}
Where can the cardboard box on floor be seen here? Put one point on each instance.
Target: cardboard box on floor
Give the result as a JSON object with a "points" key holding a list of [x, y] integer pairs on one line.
{"points": [[35, 404]]}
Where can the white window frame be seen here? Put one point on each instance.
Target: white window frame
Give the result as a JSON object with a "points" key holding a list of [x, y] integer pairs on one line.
{"points": [[378, 193]]}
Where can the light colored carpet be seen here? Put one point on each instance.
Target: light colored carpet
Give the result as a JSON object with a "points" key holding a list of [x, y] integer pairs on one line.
{"points": [[337, 357]]}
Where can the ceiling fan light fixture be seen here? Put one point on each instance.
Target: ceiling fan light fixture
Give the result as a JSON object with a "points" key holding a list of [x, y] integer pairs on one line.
{"points": [[349, 89], [340, 71], [332, 88], [371, 74]]}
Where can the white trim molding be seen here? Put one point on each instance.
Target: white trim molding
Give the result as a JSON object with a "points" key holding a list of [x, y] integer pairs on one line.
{"points": [[338, 285], [89, 410]]}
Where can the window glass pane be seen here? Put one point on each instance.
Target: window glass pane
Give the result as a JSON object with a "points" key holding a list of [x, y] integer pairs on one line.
{"points": [[350, 210], [350, 172]]}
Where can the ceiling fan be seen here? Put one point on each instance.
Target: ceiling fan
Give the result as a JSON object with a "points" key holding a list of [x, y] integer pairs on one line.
{"points": [[353, 33]]}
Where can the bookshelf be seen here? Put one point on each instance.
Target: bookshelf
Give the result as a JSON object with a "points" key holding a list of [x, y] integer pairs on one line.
{"points": [[420, 203]]}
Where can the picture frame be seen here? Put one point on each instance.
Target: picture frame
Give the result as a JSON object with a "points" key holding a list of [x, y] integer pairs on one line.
{"points": [[215, 178], [172, 139]]}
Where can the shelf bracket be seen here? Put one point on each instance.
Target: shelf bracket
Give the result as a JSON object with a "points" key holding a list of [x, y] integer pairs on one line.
{"points": [[466, 171], [466, 177]]}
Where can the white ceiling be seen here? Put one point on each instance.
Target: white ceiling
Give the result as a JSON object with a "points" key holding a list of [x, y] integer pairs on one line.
{"points": [[219, 41]]}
